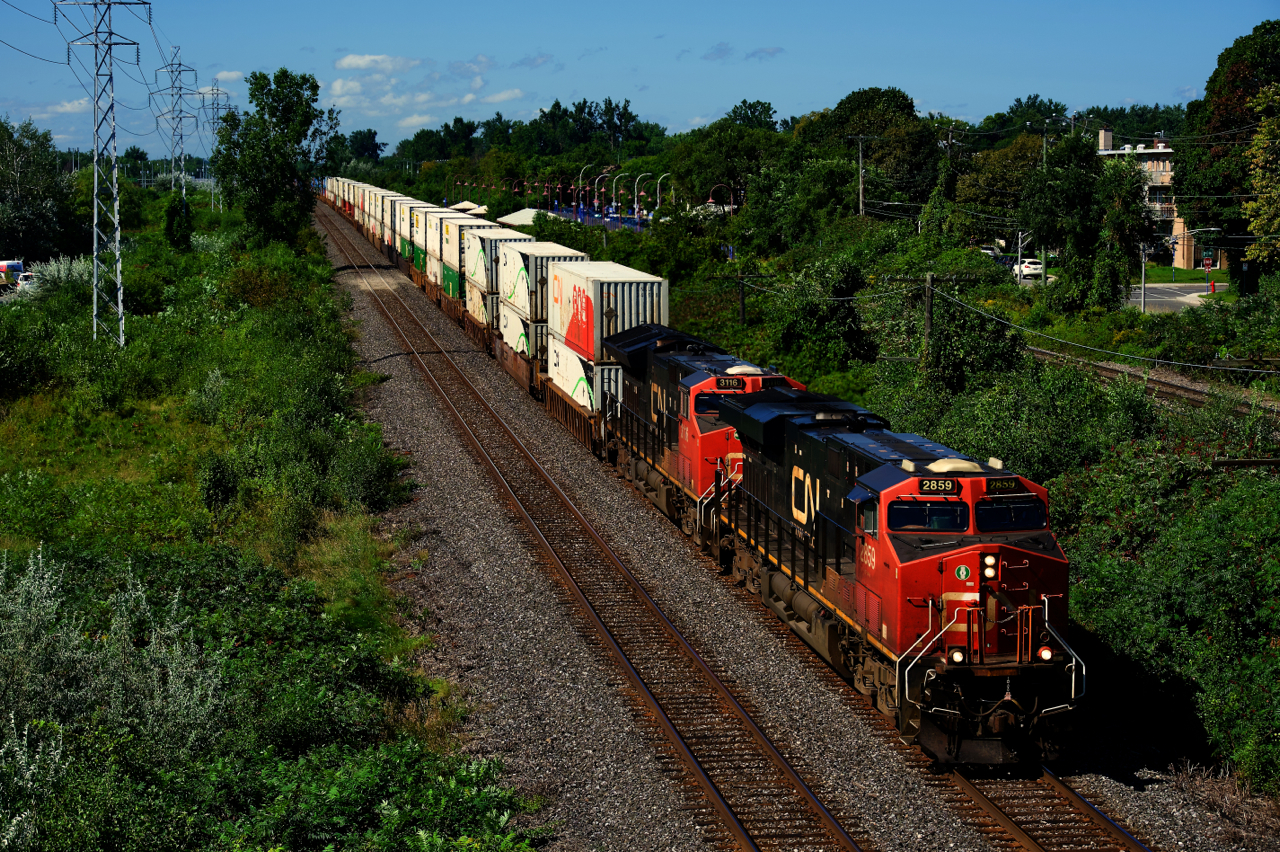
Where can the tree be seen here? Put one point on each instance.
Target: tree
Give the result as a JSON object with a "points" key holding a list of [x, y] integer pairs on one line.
{"points": [[1095, 213], [179, 224], [266, 159], [1211, 166], [1264, 176], [36, 215], [757, 115], [364, 145]]}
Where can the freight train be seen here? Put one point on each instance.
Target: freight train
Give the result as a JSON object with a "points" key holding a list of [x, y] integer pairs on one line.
{"points": [[929, 580]]}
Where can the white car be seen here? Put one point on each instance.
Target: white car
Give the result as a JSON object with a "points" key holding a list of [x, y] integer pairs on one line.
{"points": [[1030, 268]]}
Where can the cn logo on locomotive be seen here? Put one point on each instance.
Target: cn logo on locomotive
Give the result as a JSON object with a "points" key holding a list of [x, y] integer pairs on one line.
{"points": [[804, 496]]}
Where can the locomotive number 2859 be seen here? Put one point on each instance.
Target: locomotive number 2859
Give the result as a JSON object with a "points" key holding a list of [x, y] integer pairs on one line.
{"points": [[939, 486]]}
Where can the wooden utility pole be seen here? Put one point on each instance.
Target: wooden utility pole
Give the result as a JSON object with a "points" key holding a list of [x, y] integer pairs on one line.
{"points": [[928, 310]]}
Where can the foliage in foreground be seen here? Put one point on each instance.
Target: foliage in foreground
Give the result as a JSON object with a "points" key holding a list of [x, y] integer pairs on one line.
{"points": [[196, 646]]}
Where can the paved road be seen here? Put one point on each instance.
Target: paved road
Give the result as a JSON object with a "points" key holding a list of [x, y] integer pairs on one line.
{"points": [[1172, 297]]}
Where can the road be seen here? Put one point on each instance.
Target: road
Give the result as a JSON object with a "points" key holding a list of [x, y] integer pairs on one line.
{"points": [[1172, 297]]}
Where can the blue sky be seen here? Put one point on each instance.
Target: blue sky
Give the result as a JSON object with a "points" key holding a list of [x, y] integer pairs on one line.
{"points": [[397, 67]]}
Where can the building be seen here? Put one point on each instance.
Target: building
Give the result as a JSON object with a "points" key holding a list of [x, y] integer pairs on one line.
{"points": [[1157, 161]]}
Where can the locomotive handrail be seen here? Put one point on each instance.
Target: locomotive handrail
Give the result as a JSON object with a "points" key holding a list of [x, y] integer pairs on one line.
{"points": [[1075, 659], [897, 669]]}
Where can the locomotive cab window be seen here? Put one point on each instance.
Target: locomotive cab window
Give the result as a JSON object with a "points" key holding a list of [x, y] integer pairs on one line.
{"points": [[1009, 514], [868, 516], [707, 408], [950, 516]]}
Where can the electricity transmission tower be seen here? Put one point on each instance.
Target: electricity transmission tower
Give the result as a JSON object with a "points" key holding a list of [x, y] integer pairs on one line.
{"points": [[217, 102], [108, 281], [177, 116]]}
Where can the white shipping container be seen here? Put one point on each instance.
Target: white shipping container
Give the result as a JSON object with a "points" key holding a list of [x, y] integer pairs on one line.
{"points": [[482, 251], [432, 271], [582, 381], [435, 228], [524, 336], [524, 271], [587, 302], [482, 305], [454, 239]]}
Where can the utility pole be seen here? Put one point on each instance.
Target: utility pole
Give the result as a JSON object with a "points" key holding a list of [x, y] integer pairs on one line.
{"points": [[106, 177], [862, 207], [928, 310], [1044, 166], [177, 114]]}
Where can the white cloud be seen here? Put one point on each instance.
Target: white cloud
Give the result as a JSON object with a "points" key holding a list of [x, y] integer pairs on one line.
{"points": [[380, 62], [228, 76], [762, 53], [477, 83], [342, 88], [416, 120], [468, 97], [697, 120], [479, 65], [500, 97], [1187, 93], [64, 108], [533, 61]]}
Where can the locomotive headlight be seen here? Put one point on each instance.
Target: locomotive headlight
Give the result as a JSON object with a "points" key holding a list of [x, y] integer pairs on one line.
{"points": [[957, 655], [989, 572], [989, 560], [1045, 653]]}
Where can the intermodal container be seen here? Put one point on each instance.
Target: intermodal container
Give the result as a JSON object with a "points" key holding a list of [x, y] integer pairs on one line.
{"points": [[435, 228], [454, 239], [481, 248], [482, 305], [524, 271], [590, 301], [582, 380], [406, 214]]}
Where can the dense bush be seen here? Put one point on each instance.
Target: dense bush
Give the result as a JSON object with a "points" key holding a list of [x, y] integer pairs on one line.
{"points": [[196, 646]]}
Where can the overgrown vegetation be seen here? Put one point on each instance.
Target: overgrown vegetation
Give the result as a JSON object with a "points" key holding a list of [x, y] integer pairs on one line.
{"points": [[197, 648]]}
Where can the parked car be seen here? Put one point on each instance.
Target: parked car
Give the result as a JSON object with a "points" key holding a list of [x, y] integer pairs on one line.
{"points": [[990, 251], [1031, 268]]}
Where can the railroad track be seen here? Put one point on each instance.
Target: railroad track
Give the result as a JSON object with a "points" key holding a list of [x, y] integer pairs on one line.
{"points": [[1154, 387], [1036, 814], [751, 796]]}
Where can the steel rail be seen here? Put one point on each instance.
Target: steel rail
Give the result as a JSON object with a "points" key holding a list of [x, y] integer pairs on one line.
{"points": [[1158, 388], [992, 810], [838, 834], [1106, 823]]}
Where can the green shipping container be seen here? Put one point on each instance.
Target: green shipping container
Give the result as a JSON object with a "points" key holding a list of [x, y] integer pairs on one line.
{"points": [[419, 258], [452, 282]]}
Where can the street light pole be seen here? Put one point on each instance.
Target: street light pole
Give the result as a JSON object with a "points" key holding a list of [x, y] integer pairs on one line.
{"points": [[615, 194], [635, 196], [578, 207], [668, 174]]}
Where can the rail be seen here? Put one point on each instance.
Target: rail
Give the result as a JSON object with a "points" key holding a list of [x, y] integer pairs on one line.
{"points": [[712, 733]]}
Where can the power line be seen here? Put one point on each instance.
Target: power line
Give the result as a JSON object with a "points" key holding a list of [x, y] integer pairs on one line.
{"points": [[32, 55], [28, 14]]}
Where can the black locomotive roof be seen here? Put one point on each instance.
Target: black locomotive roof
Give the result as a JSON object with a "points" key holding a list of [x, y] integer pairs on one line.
{"points": [[631, 348], [763, 416]]}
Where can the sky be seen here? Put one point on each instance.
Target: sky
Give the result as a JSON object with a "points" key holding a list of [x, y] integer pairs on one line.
{"points": [[397, 67]]}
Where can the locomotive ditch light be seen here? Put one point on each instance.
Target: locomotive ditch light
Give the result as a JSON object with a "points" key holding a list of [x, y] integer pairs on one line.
{"points": [[1045, 653], [990, 570], [957, 656]]}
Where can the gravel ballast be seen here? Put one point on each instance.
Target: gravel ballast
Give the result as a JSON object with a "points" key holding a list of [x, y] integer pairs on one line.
{"points": [[548, 703]]}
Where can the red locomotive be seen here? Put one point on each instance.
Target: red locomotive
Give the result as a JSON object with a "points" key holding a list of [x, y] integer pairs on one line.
{"points": [[928, 579]]}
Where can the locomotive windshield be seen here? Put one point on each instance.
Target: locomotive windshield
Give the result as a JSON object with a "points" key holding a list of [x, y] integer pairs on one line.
{"points": [[706, 406], [1023, 513], [928, 516]]}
